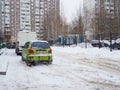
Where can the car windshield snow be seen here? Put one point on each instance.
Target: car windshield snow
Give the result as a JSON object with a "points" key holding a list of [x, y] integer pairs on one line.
{"points": [[40, 45]]}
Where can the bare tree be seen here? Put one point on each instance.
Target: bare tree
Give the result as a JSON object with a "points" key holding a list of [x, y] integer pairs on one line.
{"points": [[107, 20], [64, 27]]}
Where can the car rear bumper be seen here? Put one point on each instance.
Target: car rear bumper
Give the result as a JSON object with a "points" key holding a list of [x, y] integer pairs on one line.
{"points": [[46, 57]]}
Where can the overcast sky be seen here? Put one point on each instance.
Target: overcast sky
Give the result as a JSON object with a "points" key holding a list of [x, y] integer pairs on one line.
{"points": [[70, 8]]}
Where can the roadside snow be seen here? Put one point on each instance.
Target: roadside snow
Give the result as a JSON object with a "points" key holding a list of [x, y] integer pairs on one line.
{"points": [[73, 68], [90, 52]]}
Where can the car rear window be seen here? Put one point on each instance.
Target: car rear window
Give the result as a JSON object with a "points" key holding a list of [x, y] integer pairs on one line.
{"points": [[40, 45]]}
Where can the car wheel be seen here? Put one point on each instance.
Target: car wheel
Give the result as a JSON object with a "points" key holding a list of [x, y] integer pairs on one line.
{"points": [[17, 53], [118, 48], [28, 63], [33, 63], [16, 50], [22, 58], [50, 62]]}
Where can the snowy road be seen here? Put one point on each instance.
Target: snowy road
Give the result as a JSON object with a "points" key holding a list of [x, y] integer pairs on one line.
{"points": [[72, 69]]}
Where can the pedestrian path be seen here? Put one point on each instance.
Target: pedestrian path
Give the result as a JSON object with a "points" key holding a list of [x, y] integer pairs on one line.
{"points": [[3, 66], [3, 63]]}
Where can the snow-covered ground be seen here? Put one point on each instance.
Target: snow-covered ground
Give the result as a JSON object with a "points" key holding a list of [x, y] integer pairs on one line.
{"points": [[73, 68]]}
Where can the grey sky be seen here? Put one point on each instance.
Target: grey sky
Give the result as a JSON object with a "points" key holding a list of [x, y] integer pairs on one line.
{"points": [[70, 8]]}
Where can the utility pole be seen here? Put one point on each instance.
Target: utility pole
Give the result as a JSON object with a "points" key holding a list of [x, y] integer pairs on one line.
{"points": [[110, 41]]}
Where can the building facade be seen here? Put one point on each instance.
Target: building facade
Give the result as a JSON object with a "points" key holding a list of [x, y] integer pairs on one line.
{"points": [[6, 29], [0, 17], [29, 15], [44, 13], [104, 11], [25, 15], [14, 18]]}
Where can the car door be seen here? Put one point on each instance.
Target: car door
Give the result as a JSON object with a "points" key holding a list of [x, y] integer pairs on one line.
{"points": [[25, 50]]}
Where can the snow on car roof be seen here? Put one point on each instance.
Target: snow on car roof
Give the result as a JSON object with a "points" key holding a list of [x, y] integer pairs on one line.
{"points": [[118, 40]]}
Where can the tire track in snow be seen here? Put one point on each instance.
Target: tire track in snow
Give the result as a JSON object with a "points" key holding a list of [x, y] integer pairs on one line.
{"points": [[114, 68], [104, 64]]}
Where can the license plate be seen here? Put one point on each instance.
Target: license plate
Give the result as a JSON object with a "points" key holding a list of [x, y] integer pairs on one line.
{"points": [[44, 58], [42, 52]]}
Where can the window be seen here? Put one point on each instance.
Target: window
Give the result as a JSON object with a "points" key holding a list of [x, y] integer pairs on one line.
{"points": [[40, 45], [26, 45]]}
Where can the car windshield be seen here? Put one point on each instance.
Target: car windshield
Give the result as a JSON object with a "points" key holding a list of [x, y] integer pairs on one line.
{"points": [[40, 45]]}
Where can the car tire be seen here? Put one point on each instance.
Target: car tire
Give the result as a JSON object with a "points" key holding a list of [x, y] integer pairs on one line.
{"points": [[33, 63], [22, 58], [28, 63], [50, 62]]}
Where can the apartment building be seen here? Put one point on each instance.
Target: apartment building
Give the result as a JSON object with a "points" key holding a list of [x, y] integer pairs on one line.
{"points": [[0, 17], [9, 15], [14, 18], [25, 15], [37, 16], [29, 15], [6, 19], [43, 16], [98, 8]]}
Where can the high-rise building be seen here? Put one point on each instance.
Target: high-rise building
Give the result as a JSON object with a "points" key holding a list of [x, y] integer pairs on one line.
{"points": [[0, 17], [14, 18], [101, 9], [25, 15], [43, 16], [30, 15], [37, 16], [6, 19], [10, 18]]}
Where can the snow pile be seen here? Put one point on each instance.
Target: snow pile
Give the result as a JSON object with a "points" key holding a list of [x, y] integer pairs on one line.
{"points": [[2, 51], [73, 68], [84, 45], [8, 52], [90, 52], [106, 42], [118, 40]]}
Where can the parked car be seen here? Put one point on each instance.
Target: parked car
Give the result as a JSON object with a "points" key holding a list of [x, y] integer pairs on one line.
{"points": [[96, 43], [8, 45], [100, 43], [13, 45], [37, 51], [116, 44], [105, 43]]}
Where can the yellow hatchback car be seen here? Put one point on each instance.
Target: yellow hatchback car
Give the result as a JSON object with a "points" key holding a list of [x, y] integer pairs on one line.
{"points": [[37, 51]]}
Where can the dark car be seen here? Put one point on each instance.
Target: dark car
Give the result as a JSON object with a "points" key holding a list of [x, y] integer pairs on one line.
{"points": [[13, 45], [96, 43], [115, 46], [8, 45], [100, 43]]}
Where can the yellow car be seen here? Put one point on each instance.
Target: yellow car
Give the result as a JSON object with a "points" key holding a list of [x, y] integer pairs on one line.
{"points": [[37, 51]]}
